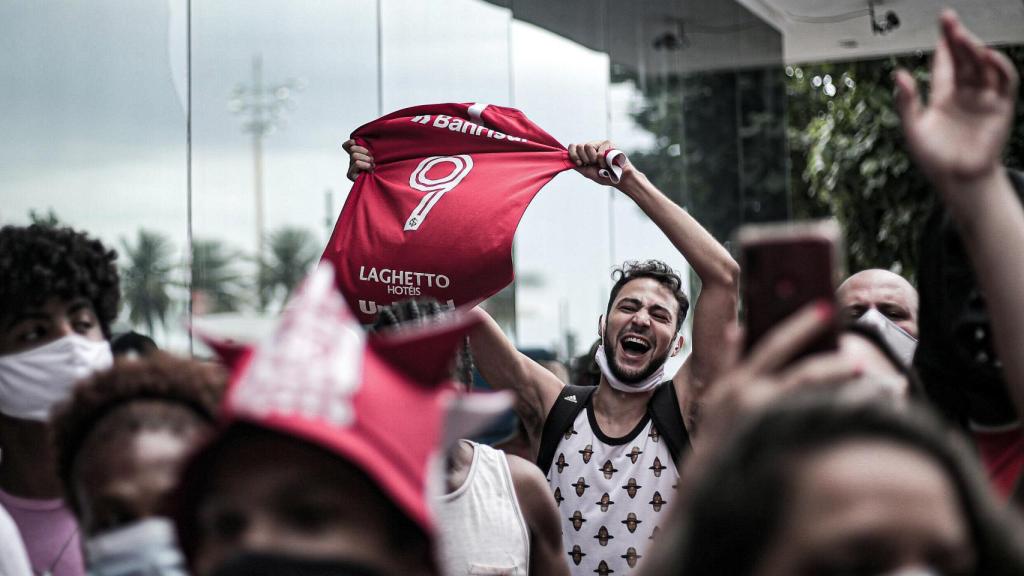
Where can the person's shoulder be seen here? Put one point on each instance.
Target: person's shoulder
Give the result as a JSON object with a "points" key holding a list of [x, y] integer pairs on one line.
{"points": [[531, 490], [526, 477]]}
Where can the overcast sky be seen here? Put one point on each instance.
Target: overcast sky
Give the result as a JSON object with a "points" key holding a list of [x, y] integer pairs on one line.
{"points": [[94, 123]]}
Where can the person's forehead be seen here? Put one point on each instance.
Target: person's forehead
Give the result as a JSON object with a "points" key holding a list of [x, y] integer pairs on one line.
{"points": [[853, 485], [273, 456], [52, 306], [124, 459], [877, 289], [649, 292]]}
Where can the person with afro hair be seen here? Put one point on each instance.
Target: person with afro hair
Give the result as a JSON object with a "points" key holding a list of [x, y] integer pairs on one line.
{"points": [[40, 263], [120, 440], [59, 294]]}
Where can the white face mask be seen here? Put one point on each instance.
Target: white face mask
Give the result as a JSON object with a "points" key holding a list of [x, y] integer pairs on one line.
{"points": [[901, 342], [31, 382], [649, 383], [144, 548]]}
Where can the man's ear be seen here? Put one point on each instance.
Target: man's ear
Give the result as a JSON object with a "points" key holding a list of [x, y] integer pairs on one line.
{"points": [[680, 340], [600, 326]]}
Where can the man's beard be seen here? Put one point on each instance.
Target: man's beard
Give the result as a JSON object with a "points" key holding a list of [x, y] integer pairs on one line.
{"points": [[613, 364]]}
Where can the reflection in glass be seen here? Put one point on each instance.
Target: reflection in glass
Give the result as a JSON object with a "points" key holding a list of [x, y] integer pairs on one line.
{"points": [[94, 137], [97, 135], [276, 90]]}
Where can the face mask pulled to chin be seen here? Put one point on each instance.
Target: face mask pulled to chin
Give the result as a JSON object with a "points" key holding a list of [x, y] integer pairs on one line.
{"points": [[650, 382], [33, 381], [144, 548], [898, 339], [275, 564]]}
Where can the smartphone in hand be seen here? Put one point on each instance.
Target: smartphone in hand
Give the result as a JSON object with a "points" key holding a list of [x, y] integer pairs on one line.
{"points": [[785, 267]]}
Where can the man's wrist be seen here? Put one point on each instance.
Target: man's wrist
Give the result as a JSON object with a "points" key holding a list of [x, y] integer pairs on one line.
{"points": [[969, 199], [632, 181]]}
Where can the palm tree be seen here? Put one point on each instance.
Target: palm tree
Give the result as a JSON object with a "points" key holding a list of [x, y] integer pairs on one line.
{"points": [[146, 276], [48, 218], [292, 253], [214, 276]]}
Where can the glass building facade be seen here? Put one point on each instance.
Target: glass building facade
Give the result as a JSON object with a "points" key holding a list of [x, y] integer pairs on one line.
{"points": [[202, 140]]}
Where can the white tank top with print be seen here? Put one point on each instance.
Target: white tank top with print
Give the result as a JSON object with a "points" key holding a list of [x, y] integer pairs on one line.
{"points": [[612, 494]]}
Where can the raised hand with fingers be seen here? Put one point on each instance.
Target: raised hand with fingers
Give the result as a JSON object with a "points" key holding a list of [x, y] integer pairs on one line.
{"points": [[359, 159], [769, 371], [589, 159], [960, 133]]}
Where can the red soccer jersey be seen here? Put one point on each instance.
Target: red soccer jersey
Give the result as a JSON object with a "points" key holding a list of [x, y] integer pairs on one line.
{"points": [[1002, 453], [437, 215]]}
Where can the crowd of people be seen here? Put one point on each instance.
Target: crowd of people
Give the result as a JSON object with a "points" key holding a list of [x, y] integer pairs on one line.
{"points": [[331, 449]]}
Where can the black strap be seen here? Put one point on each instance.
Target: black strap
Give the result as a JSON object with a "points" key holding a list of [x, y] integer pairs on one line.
{"points": [[663, 408], [563, 413], [664, 411]]}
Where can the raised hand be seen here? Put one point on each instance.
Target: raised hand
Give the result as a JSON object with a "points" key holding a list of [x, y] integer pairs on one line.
{"points": [[359, 159], [768, 372], [960, 134], [589, 159]]}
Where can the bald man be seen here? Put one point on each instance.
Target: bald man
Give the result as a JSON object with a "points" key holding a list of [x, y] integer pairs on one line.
{"points": [[881, 290]]}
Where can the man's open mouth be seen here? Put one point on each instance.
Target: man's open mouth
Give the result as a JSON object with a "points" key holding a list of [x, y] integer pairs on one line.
{"points": [[634, 345]]}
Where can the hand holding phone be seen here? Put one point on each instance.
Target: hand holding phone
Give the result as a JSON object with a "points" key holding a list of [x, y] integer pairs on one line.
{"points": [[786, 266]]}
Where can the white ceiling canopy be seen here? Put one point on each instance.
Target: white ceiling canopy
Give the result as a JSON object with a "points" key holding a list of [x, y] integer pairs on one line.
{"points": [[817, 30]]}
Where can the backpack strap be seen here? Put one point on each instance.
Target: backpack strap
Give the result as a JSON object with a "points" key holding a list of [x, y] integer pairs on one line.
{"points": [[664, 410], [571, 400]]}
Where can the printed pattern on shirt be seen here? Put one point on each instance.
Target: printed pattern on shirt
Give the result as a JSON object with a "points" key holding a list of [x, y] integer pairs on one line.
{"points": [[611, 495]]}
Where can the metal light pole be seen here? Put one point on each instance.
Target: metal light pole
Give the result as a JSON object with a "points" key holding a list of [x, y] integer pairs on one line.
{"points": [[329, 215], [263, 106]]}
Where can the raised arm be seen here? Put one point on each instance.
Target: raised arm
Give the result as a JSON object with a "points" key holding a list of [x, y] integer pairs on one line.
{"points": [[506, 368], [957, 141], [715, 309]]}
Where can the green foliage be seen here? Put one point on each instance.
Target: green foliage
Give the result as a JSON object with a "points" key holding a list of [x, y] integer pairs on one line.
{"points": [[48, 218], [215, 280], [718, 142], [146, 277], [292, 252], [848, 160], [662, 115]]}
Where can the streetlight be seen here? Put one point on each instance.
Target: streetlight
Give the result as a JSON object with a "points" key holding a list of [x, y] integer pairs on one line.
{"points": [[263, 106]]}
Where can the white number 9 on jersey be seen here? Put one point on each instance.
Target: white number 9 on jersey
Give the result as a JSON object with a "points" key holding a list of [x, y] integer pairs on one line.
{"points": [[435, 188]]}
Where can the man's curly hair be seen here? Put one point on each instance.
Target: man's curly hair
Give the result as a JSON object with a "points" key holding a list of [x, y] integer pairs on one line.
{"points": [[108, 403], [39, 262], [656, 270]]}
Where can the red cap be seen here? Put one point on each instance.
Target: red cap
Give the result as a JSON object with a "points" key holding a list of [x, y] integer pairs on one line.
{"points": [[376, 401]]}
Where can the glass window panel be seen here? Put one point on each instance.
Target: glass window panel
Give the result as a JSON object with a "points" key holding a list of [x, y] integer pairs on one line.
{"points": [[444, 51], [94, 131], [562, 250], [448, 51], [277, 89]]}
